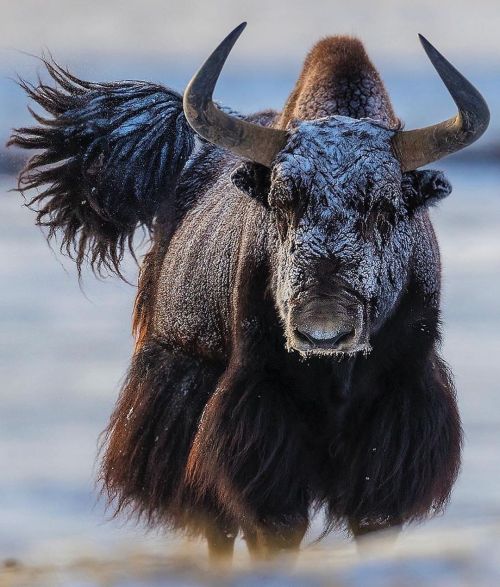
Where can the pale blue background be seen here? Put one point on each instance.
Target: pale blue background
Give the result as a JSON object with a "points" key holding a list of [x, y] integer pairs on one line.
{"points": [[63, 351]]}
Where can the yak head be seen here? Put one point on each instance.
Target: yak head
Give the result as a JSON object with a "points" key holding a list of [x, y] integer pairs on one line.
{"points": [[344, 233], [340, 180], [347, 220]]}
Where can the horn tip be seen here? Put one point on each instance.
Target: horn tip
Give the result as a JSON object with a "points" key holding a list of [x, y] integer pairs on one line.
{"points": [[233, 36], [240, 28], [427, 45]]}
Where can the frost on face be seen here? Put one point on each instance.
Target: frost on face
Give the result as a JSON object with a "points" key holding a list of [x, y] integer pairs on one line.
{"points": [[338, 185]]}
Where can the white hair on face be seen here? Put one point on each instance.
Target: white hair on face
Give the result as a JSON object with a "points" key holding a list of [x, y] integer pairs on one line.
{"points": [[343, 168]]}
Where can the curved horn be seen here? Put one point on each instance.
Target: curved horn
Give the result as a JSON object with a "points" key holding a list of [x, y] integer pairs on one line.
{"points": [[243, 138], [418, 147]]}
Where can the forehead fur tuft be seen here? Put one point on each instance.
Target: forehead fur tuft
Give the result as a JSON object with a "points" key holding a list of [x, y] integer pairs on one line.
{"points": [[338, 78], [339, 158]]}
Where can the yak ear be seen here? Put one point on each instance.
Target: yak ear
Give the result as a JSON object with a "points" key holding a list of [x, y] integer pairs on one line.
{"points": [[425, 188], [252, 179]]}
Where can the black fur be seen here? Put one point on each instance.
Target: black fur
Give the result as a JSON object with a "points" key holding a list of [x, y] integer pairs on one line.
{"points": [[397, 455], [160, 406], [111, 156], [425, 187], [253, 179]]}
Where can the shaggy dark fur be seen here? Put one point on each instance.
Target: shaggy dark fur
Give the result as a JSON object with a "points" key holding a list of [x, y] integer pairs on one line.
{"points": [[218, 426], [168, 391], [110, 156]]}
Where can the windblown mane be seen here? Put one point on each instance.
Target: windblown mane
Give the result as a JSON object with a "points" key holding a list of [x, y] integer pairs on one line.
{"points": [[111, 154]]}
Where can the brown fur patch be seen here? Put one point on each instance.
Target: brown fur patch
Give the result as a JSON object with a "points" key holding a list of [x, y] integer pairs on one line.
{"points": [[338, 78], [145, 299]]}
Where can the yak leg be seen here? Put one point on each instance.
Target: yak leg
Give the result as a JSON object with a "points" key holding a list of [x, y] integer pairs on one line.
{"points": [[248, 451], [361, 530], [266, 543], [220, 537]]}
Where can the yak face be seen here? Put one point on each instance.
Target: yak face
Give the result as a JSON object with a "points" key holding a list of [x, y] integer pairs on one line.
{"points": [[344, 246], [345, 216]]}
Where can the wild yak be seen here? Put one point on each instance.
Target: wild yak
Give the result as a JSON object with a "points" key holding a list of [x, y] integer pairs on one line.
{"points": [[287, 315]]}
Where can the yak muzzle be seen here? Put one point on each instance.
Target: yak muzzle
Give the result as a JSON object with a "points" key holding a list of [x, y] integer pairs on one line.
{"points": [[323, 327]]}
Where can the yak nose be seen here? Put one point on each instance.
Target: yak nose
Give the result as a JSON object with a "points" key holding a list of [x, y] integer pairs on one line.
{"points": [[325, 338], [322, 326]]}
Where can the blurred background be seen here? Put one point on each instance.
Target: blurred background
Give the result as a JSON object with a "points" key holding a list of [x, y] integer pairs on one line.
{"points": [[64, 348]]}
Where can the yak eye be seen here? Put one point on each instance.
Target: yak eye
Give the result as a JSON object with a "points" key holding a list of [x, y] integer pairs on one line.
{"points": [[284, 220], [379, 219], [386, 219], [282, 196], [370, 222], [284, 201]]}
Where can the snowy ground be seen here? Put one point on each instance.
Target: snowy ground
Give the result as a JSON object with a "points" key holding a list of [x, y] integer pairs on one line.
{"points": [[63, 351], [438, 558]]}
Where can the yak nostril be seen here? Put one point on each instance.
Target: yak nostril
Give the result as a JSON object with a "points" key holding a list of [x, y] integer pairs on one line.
{"points": [[323, 341], [341, 336], [303, 336]]}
